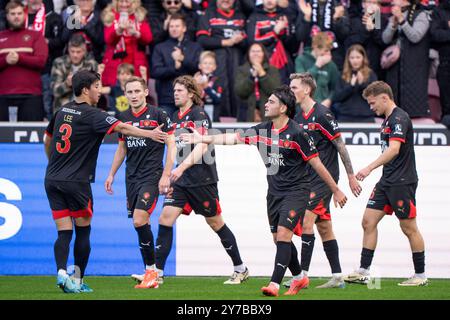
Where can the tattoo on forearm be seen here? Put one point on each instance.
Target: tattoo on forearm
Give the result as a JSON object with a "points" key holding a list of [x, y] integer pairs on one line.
{"points": [[345, 157]]}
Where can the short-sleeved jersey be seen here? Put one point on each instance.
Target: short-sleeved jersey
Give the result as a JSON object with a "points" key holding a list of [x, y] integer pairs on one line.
{"points": [[144, 156], [77, 131], [285, 153], [402, 169], [323, 128], [204, 172], [216, 23]]}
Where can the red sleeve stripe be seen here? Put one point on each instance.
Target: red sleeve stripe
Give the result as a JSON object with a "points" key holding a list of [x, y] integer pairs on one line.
{"points": [[397, 139], [310, 157], [326, 133], [203, 32], [115, 124], [296, 146], [48, 134]]}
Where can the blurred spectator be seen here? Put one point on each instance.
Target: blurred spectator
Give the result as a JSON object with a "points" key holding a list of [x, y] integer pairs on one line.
{"points": [[210, 84], [270, 26], [408, 77], [66, 66], [356, 76], [127, 33], [365, 31], [160, 24], [255, 81], [323, 16], [23, 54], [172, 58], [117, 102], [222, 30], [85, 20], [440, 34], [49, 23], [318, 62]]}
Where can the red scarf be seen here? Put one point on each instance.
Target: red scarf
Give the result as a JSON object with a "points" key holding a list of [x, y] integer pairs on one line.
{"points": [[39, 20], [279, 57]]}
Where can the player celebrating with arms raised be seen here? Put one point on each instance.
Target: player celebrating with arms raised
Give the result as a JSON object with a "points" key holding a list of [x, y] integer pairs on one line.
{"points": [[286, 149], [396, 190], [145, 177]]}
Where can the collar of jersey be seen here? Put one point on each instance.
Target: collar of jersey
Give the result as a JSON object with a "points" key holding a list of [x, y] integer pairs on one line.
{"points": [[280, 130], [306, 116], [140, 113], [181, 116], [226, 14]]}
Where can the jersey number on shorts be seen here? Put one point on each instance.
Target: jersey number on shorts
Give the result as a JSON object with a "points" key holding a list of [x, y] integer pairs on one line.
{"points": [[66, 130]]}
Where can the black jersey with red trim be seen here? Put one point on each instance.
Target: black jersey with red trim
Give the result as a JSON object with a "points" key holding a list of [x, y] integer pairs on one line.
{"points": [[402, 169], [285, 153], [204, 172], [144, 156], [323, 128], [77, 131], [219, 25]]}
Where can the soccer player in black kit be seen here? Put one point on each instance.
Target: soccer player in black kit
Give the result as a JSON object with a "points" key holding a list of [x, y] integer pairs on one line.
{"points": [[323, 129], [286, 149], [145, 176], [396, 190], [72, 142], [194, 182]]}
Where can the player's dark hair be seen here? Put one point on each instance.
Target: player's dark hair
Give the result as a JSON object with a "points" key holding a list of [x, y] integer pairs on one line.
{"points": [[77, 40], [286, 97], [376, 88], [83, 79]]}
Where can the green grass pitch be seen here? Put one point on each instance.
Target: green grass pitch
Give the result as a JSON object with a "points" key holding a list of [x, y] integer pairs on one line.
{"points": [[211, 288]]}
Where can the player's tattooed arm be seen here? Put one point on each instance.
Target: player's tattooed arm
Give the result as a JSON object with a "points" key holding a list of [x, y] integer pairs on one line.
{"points": [[345, 157]]}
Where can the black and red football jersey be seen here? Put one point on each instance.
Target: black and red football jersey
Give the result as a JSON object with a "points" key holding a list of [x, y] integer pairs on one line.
{"points": [[204, 172], [77, 131], [144, 156], [285, 153], [323, 128], [402, 169]]}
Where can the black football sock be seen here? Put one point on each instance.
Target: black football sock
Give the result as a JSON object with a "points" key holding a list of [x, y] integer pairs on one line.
{"points": [[61, 249], [419, 262], [229, 243], [282, 260], [146, 245], [82, 248], [307, 250], [163, 245], [294, 265], [366, 258], [332, 251]]}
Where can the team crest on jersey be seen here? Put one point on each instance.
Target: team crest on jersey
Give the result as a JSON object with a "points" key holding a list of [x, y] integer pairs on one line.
{"points": [[206, 204], [292, 213], [400, 203], [312, 195], [286, 143], [26, 38], [147, 123], [146, 195]]}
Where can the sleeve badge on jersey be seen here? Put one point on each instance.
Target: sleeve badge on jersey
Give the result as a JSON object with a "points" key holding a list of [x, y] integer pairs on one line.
{"points": [[398, 129], [334, 124], [110, 120]]}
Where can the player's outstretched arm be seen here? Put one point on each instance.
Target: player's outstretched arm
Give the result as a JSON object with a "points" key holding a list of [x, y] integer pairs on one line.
{"points": [[128, 130], [345, 157], [119, 156], [338, 196], [194, 157], [221, 139], [164, 182], [389, 154]]}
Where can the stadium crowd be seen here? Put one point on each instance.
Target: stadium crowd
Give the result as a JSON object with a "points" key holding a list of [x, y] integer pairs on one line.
{"points": [[238, 51]]}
